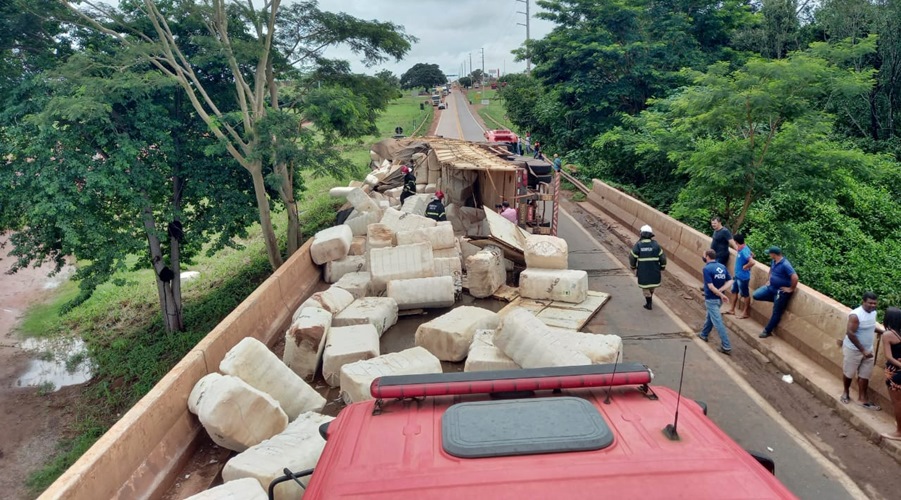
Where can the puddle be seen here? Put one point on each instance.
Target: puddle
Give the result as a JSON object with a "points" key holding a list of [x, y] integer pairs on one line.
{"points": [[56, 363]]}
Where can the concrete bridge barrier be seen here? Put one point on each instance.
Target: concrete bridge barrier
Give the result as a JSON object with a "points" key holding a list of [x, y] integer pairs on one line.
{"points": [[811, 324], [141, 454]]}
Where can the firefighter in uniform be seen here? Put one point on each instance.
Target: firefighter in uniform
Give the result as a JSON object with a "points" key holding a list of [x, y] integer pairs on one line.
{"points": [[409, 184], [648, 260], [435, 208]]}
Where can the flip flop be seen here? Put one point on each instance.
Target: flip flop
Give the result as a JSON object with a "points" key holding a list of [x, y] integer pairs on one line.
{"points": [[891, 437], [870, 406], [729, 313], [845, 399]]}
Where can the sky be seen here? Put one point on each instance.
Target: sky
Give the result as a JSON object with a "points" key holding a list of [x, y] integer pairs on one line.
{"points": [[448, 31]]}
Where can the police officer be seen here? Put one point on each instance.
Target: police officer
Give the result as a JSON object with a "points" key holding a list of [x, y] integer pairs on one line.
{"points": [[648, 260], [409, 184], [435, 208]]}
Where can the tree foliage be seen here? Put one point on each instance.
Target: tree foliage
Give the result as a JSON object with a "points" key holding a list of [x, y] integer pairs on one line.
{"points": [[422, 75]]}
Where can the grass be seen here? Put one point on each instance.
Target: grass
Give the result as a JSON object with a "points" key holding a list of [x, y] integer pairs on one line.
{"points": [[121, 324], [494, 114]]}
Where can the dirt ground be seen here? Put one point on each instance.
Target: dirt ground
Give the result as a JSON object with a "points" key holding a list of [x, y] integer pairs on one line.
{"points": [[32, 424], [873, 470]]}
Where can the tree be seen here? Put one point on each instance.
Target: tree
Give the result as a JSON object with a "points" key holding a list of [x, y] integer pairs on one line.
{"points": [[251, 125], [465, 82], [606, 59], [422, 75], [388, 78], [105, 163], [739, 135], [477, 75]]}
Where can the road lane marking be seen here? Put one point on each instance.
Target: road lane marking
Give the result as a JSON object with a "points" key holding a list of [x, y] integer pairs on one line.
{"points": [[834, 471]]}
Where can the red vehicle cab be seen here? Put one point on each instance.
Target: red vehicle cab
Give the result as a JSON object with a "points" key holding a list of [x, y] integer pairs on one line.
{"points": [[570, 432], [501, 135]]}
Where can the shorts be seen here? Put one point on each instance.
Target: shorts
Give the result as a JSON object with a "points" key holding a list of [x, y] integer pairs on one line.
{"points": [[892, 377], [854, 363], [741, 287]]}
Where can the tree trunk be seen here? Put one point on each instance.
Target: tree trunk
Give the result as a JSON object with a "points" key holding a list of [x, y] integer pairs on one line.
{"points": [[874, 113], [287, 194], [172, 318], [259, 189]]}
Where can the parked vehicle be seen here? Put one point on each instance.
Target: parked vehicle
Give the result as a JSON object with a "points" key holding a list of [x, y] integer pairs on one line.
{"points": [[568, 432]]}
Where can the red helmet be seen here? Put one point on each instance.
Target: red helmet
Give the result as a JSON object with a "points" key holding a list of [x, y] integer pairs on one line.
{"points": [[439, 195], [405, 169]]}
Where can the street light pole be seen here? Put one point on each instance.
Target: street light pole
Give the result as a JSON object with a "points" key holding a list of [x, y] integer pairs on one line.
{"points": [[528, 37]]}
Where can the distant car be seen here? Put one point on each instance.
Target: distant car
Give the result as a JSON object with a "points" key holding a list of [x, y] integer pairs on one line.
{"points": [[442, 105], [569, 432]]}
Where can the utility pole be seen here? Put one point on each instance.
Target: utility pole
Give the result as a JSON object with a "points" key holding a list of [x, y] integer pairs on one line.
{"points": [[483, 65], [470, 63], [526, 24]]}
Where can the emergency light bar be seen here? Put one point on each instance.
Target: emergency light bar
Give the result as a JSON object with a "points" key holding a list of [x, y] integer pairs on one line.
{"points": [[534, 379]]}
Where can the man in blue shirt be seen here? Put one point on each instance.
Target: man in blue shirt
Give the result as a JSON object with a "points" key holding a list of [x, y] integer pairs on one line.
{"points": [[744, 261], [716, 281], [779, 288]]}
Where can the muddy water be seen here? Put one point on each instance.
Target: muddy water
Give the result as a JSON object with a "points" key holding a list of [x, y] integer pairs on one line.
{"points": [[55, 363]]}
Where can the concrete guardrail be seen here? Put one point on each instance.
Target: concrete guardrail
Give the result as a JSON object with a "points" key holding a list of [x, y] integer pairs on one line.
{"points": [[811, 324], [140, 455]]}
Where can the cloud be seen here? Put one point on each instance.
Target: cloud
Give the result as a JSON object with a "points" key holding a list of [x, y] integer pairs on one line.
{"points": [[448, 32]]}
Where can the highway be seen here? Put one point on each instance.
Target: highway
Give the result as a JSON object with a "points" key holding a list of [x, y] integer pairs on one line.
{"points": [[656, 338]]}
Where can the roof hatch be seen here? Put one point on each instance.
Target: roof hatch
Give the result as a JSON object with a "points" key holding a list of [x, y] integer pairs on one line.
{"points": [[523, 427]]}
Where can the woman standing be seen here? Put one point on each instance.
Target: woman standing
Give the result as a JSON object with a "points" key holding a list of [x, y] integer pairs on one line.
{"points": [[891, 342]]}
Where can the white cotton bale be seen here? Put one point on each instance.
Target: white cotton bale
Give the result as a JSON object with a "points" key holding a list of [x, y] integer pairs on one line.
{"points": [[357, 377], [447, 253], [420, 188], [485, 356], [347, 344], [398, 263], [434, 176], [336, 269], [467, 249], [358, 246], [422, 293], [359, 222], [485, 271], [394, 192], [448, 336], [452, 266], [599, 348], [331, 243], [253, 362], [416, 204], [234, 414], [361, 201], [531, 344], [430, 188], [380, 312], [305, 341], [333, 300], [403, 221], [355, 283], [564, 285], [440, 237], [340, 192], [546, 252], [380, 236], [240, 489], [298, 447]]}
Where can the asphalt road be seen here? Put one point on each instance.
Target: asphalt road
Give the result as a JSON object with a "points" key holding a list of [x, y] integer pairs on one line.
{"points": [[656, 338], [457, 121]]}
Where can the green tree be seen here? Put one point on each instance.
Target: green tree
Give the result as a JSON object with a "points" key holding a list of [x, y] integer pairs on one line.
{"points": [[739, 135], [388, 78], [477, 75], [247, 39], [465, 81], [606, 58], [422, 75]]}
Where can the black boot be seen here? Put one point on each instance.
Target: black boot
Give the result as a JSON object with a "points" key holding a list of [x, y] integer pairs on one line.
{"points": [[647, 303]]}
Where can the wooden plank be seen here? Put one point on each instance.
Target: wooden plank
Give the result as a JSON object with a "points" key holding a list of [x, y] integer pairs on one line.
{"points": [[506, 293], [562, 314]]}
